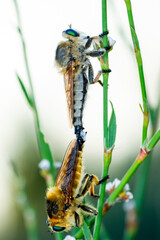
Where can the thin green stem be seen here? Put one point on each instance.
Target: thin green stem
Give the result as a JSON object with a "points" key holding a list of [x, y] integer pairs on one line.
{"points": [[144, 171], [140, 69], [86, 231], [142, 155], [27, 64], [43, 147], [107, 155], [105, 66], [126, 178], [28, 211], [153, 141], [101, 199], [141, 187]]}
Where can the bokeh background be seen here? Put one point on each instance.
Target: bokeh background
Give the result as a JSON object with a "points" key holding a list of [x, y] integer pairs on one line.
{"points": [[43, 23]]}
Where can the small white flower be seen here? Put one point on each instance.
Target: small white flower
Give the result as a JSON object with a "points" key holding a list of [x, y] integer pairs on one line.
{"points": [[44, 165], [129, 195], [125, 195], [126, 187], [57, 164], [68, 237], [109, 187], [116, 182]]}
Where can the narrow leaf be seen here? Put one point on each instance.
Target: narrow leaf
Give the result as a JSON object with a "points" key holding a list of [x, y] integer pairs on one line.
{"points": [[46, 152], [112, 128], [86, 231], [24, 90]]}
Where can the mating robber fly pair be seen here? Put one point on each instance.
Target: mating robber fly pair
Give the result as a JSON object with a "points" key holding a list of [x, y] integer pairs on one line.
{"points": [[64, 200]]}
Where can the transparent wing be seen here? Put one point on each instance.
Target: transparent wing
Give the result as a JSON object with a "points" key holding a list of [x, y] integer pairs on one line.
{"points": [[67, 171], [68, 82]]}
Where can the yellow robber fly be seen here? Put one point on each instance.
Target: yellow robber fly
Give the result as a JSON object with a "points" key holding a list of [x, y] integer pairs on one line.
{"points": [[64, 201]]}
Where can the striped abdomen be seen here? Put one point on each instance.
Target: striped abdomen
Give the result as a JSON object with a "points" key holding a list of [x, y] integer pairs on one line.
{"points": [[80, 86], [78, 175]]}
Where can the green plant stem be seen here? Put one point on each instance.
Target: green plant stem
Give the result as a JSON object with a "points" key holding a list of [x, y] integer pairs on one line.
{"points": [[86, 231], [22, 200], [41, 142], [144, 171], [101, 199], [141, 186], [153, 141], [43, 146], [142, 155], [140, 69], [107, 153], [27, 65], [124, 180], [79, 234]]}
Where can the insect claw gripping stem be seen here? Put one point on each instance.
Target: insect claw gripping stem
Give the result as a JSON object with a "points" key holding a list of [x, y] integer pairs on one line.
{"points": [[103, 180], [106, 70], [104, 33], [107, 48]]}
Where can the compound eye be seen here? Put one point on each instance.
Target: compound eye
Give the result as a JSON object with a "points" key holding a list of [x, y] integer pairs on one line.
{"points": [[58, 229], [72, 32]]}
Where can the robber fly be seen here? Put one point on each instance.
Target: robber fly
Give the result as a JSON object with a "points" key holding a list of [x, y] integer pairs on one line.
{"points": [[72, 59], [64, 200]]}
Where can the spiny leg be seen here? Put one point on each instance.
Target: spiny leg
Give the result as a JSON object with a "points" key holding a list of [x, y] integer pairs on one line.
{"points": [[83, 184], [90, 39], [88, 66], [88, 209], [97, 183], [88, 183], [96, 53], [91, 78], [77, 220], [96, 79], [89, 42]]}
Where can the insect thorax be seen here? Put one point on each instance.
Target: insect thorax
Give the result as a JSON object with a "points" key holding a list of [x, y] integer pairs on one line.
{"points": [[69, 51]]}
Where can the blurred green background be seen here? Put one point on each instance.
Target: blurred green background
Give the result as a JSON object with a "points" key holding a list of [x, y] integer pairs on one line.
{"points": [[43, 23]]}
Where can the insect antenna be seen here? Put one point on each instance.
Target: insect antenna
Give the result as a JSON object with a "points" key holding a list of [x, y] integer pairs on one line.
{"points": [[70, 25]]}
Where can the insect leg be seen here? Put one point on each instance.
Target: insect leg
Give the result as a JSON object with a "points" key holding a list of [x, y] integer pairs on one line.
{"points": [[77, 220], [90, 74], [88, 183], [88, 209], [90, 39], [88, 43], [103, 180], [88, 66], [103, 34], [96, 79], [91, 191], [96, 53], [83, 184]]}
